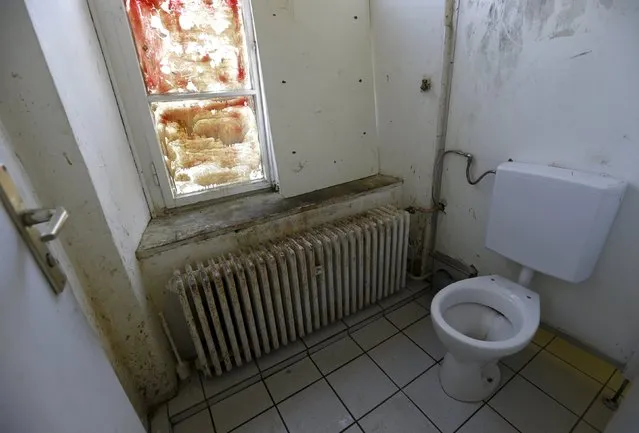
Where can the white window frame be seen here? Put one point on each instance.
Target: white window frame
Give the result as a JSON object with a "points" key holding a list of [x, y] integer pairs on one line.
{"points": [[116, 39]]}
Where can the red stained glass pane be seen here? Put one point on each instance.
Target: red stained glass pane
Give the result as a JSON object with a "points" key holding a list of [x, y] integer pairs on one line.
{"points": [[190, 45], [209, 143]]}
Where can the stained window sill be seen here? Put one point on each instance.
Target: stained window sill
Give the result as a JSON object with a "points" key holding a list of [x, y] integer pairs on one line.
{"points": [[208, 221]]}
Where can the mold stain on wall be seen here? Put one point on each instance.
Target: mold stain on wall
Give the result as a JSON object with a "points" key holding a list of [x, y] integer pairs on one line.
{"points": [[508, 25], [502, 41]]}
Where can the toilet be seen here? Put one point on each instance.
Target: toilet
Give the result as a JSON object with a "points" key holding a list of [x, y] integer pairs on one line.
{"points": [[547, 219]]}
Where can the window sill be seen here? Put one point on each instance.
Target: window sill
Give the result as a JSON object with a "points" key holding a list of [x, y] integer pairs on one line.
{"points": [[194, 225]]}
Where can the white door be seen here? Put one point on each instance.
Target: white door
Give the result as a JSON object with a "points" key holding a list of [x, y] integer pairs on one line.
{"points": [[54, 375]]}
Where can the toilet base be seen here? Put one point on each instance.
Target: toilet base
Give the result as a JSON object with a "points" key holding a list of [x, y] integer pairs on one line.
{"points": [[468, 381]]}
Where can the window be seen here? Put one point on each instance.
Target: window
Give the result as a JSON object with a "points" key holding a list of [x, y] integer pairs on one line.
{"points": [[188, 82]]}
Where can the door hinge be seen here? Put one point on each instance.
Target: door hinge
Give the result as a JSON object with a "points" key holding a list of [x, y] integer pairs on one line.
{"points": [[156, 179]]}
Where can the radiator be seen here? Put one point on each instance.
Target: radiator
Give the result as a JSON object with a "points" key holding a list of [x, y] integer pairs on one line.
{"points": [[243, 305]]}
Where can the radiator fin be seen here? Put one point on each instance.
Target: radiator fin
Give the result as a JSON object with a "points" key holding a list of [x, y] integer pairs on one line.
{"points": [[248, 303]]}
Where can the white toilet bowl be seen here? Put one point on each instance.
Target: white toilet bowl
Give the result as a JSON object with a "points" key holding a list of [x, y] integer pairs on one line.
{"points": [[481, 320]]}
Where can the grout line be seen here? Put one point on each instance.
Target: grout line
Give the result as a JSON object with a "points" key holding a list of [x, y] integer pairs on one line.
{"points": [[437, 360], [306, 351], [540, 389], [371, 319], [168, 418], [580, 370], [276, 407], [376, 407], [485, 402], [513, 377], [518, 373], [335, 392], [399, 387], [503, 417], [581, 418], [574, 366], [250, 419], [208, 408]]}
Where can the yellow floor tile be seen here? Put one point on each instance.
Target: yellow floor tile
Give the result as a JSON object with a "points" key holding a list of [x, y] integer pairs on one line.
{"points": [[584, 361], [543, 337], [616, 381]]}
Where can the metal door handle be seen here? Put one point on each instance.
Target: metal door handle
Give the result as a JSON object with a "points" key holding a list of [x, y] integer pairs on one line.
{"points": [[55, 217], [24, 220]]}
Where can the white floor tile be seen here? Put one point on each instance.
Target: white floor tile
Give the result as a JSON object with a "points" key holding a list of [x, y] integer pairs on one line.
{"points": [[401, 359], [584, 361], [487, 421], [227, 380], [423, 333], [280, 355], [268, 422], [530, 410], [198, 423], [374, 333], [292, 379], [240, 407], [563, 382], [324, 333], [353, 429], [583, 427], [361, 385], [406, 315], [395, 298], [397, 415], [360, 316], [518, 360], [337, 354], [160, 420], [447, 414], [598, 414], [506, 375], [189, 394], [316, 409], [426, 299]]}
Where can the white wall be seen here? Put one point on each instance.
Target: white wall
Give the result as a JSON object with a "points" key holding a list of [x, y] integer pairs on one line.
{"points": [[408, 38], [64, 125], [322, 118], [55, 377], [551, 82]]}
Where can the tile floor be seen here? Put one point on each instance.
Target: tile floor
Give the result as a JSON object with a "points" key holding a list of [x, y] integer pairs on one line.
{"points": [[377, 371]]}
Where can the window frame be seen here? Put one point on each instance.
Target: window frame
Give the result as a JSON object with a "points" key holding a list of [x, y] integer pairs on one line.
{"points": [[118, 46]]}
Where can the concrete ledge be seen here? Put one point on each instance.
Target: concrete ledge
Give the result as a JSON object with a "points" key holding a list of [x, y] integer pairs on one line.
{"points": [[213, 220]]}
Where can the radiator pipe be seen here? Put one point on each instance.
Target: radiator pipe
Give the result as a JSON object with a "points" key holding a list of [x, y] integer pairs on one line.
{"points": [[182, 368], [613, 402], [450, 30]]}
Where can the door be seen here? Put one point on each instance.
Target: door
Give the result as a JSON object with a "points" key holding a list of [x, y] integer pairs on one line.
{"points": [[54, 375]]}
